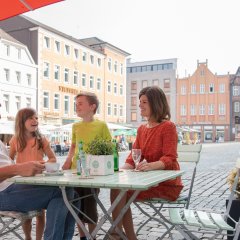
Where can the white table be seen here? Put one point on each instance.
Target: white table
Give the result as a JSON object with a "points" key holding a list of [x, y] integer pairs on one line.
{"points": [[123, 180]]}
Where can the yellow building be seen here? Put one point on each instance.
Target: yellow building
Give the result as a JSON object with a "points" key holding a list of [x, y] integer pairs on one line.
{"points": [[66, 66]]}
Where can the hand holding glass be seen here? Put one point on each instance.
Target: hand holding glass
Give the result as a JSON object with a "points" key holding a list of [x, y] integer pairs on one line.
{"points": [[136, 155]]}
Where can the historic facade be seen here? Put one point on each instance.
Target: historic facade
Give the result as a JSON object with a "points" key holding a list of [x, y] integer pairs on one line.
{"points": [[66, 66], [203, 103]]}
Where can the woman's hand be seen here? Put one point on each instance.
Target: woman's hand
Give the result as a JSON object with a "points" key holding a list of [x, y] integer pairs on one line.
{"points": [[67, 165], [144, 166]]}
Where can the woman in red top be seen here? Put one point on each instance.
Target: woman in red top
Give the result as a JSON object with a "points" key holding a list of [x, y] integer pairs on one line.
{"points": [[158, 143]]}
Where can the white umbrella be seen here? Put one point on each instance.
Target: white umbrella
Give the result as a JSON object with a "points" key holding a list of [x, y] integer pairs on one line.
{"points": [[7, 127]]}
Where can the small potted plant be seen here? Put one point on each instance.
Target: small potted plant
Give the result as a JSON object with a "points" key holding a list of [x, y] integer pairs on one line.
{"points": [[100, 157]]}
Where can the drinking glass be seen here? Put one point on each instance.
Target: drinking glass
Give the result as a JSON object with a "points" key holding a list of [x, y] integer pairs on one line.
{"points": [[136, 155]]}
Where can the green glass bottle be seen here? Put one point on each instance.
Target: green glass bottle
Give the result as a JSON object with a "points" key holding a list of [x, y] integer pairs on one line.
{"points": [[79, 158], [115, 156]]}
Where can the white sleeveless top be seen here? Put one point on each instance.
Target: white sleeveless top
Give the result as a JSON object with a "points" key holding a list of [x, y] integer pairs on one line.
{"points": [[4, 161]]}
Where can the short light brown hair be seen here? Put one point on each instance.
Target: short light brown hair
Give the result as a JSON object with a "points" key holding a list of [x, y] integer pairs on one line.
{"points": [[158, 103], [91, 98]]}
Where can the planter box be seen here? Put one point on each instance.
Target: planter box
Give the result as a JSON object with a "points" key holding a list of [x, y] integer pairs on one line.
{"points": [[100, 165]]}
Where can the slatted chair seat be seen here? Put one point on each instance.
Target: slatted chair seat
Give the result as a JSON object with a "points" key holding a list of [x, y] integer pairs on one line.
{"points": [[11, 220], [187, 154], [206, 222]]}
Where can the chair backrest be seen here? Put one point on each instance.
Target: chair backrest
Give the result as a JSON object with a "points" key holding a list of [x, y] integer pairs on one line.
{"points": [[190, 154]]}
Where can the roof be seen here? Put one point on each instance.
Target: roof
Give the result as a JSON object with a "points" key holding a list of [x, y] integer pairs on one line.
{"points": [[94, 41], [6, 36]]}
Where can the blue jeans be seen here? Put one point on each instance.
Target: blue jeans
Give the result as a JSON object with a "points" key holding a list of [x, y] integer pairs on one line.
{"points": [[23, 198]]}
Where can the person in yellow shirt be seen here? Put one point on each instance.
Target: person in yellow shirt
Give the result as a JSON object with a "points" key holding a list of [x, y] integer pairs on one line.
{"points": [[86, 130]]}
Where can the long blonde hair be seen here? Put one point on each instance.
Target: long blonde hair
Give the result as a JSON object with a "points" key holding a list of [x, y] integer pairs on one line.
{"points": [[20, 129]]}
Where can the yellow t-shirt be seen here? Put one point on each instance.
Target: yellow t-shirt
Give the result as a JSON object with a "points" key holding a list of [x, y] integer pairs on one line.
{"points": [[86, 132]]}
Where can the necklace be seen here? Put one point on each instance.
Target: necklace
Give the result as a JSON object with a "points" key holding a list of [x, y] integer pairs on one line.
{"points": [[152, 124]]}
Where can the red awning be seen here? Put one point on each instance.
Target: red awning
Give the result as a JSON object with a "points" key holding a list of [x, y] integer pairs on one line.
{"points": [[10, 8]]}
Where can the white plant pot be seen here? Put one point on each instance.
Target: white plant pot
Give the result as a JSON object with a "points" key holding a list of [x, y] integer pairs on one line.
{"points": [[100, 164]]}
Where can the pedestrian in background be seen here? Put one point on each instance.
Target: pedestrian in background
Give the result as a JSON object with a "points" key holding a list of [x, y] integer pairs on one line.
{"points": [[29, 145]]}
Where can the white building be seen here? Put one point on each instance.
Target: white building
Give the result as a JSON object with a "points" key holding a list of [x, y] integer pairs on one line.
{"points": [[18, 77]]}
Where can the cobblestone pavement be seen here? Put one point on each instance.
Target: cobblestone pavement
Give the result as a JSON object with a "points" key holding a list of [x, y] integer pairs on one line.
{"points": [[209, 193]]}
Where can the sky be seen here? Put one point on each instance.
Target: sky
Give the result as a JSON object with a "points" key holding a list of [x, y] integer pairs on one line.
{"points": [[188, 30]]}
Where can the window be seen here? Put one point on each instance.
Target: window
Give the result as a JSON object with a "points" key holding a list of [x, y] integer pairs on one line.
{"points": [[202, 88], [115, 66], [183, 90], [19, 53], [121, 68], [46, 42], [121, 89], [109, 86], [84, 56], [57, 46], [7, 73], [99, 62], [222, 109], [46, 100], [109, 109], [66, 75], [46, 69], [28, 102], [99, 108], [115, 88], [98, 84], [166, 83], [91, 59], [115, 109], [57, 72], [236, 91], [236, 107], [133, 86], [133, 116], [193, 89], [109, 64], [202, 73], [201, 109], [76, 53], [29, 79], [155, 82], [222, 88], [56, 101], [66, 104], [211, 109], [18, 76], [133, 101], [18, 102], [6, 102], [121, 110], [91, 82], [192, 110], [144, 83], [84, 80], [183, 110], [74, 106], [67, 50], [7, 49], [75, 78], [211, 88]]}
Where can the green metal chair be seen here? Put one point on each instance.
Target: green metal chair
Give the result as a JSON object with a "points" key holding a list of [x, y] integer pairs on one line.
{"points": [[187, 221], [10, 221], [187, 154]]}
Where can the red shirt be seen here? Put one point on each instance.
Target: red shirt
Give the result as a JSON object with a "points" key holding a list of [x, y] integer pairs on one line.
{"points": [[159, 143]]}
